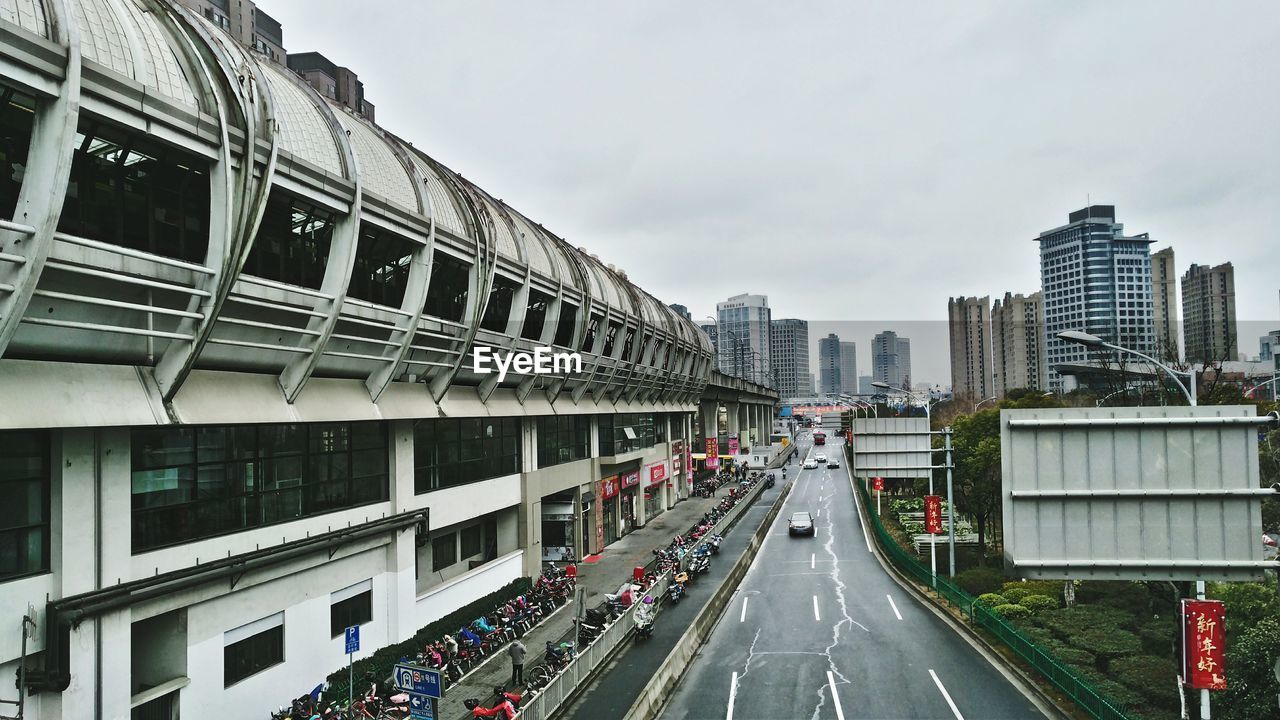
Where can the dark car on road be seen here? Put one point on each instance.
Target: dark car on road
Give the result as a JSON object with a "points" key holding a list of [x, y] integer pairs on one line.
{"points": [[801, 523]]}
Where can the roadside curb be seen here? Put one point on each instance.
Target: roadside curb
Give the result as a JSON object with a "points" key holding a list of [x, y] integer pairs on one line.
{"points": [[656, 693], [1024, 681]]}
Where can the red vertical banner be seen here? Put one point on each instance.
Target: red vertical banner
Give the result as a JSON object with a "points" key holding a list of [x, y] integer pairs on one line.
{"points": [[713, 453], [733, 446], [1204, 644], [932, 514], [877, 484]]}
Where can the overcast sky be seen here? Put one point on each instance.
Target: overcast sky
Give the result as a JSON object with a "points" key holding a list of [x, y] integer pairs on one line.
{"points": [[855, 161]]}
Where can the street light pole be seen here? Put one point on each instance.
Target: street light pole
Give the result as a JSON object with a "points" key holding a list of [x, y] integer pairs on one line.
{"points": [[984, 402]]}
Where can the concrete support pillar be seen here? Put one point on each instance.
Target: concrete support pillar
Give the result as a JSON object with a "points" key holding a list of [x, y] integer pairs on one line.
{"points": [[402, 552]]}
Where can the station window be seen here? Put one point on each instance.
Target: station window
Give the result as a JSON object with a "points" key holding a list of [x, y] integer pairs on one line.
{"points": [[351, 606], [567, 324], [17, 116], [250, 649], [381, 271], [448, 452], [444, 551], [447, 293], [610, 336], [563, 438], [535, 315], [197, 482], [589, 337], [626, 432], [128, 190], [292, 245], [24, 514], [498, 311]]}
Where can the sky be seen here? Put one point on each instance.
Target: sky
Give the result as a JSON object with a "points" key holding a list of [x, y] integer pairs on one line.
{"points": [[857, 162]]}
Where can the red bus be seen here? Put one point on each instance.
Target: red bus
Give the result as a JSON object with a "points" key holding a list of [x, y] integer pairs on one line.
{"points": [[819, 438]]}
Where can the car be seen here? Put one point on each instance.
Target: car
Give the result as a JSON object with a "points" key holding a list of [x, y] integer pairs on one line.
{"points": [[810, 464], [801, 523], [833, 463], [820, 459]]}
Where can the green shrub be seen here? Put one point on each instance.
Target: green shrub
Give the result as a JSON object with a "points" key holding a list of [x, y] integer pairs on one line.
{"points": [[1070, 622], [1039, 636], [1010, 611], [1158, 636], [1251, 683], [1015, 593], [992, 599], [979, 580], [1107, 643], [1038, 603], [1118, 693], [1052, 588], [1153, 677], [1132, 597], [1075, 656]]}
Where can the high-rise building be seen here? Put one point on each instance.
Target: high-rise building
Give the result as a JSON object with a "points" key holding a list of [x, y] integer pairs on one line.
{"points": [[1017, 344], [1269, 346], [891, 359], [710, 329], [969, 326], [744, 323], [1209, 313], [1096, 279], [848, 367], [333, 81], [248, 24], [789, 351], [1164, 303], [864, 385], [829, 365], [681, 310]]}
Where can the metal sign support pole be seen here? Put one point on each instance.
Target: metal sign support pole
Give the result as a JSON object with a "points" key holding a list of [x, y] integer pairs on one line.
{"points": [[951, 506], [351, 682]]}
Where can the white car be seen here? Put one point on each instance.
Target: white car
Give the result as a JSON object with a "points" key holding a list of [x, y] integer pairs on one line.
{"points": [[810, 464], [820, 459]]}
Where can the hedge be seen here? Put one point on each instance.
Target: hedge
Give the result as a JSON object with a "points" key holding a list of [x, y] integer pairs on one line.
{"points": [[1068, 623], [1052, 588], [1010, 611], [1152, 676], [384, 659], [980, 580], [993, 599], [1158, 636], [1107, 643], [1015, 593], [1038, 603]]}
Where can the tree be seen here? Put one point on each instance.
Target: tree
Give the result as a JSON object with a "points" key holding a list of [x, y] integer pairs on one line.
{"points": [[1251, 682], [976, 454]]}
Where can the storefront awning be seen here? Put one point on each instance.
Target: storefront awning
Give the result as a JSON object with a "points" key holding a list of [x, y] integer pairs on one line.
{"points": [[557, 511]]}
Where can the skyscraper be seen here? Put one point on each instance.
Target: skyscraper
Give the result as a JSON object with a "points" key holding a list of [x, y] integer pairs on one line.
{"points": [[829, 365], [1164, 303], [744, 323], [864, 385], [789, 350], [891, 359], [904, 363], [681, 310], [969, 326], [1096, 279], [1209, 313], [849, 368], [1017, 344]]}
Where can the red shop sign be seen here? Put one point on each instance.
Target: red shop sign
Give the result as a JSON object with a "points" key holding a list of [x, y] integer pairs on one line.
{"points": [[713, 453], [630, 479], [1204, 644], [608, 487], [878, 483], [657, 472], [933, 514]]}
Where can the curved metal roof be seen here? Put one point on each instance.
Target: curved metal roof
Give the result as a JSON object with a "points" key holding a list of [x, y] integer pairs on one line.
{"points": [[134, 46], [303, 131], [26, 14], [380, 169]]}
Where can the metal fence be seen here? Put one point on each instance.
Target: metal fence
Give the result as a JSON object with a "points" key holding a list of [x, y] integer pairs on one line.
{"points": [[1061, 675], [548, 701]]}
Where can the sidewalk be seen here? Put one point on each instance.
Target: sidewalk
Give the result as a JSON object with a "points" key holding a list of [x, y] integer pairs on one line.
{"points": [[598, 578]]}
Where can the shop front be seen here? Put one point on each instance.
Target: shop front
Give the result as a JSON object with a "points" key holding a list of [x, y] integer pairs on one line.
{"points": [[679, 481], [558, 516], [607, 511], [592, 532], [656, 479], [630, 482]]}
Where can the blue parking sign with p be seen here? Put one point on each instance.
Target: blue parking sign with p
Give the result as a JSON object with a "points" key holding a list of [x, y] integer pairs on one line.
{"points": [[353, 639]]}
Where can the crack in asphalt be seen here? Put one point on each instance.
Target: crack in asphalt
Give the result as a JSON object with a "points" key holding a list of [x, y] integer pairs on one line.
{"points": [[828, 546]]}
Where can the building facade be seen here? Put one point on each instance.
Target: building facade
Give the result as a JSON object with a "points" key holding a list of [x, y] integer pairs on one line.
{"points": [[969, 331], [1096, 279], [848, 367], [829, 365], [743, 323], [1209, 313], [891, 359], [243, 408], [1164, 304], [1018, 342], [244, 21], [864, 385], [789, 353]]}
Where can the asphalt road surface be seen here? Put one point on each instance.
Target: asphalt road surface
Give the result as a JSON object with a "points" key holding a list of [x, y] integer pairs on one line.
{"points": [[817, 629]]}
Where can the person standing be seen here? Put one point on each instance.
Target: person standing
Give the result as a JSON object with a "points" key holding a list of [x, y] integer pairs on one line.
{"points": [[517, 651]]}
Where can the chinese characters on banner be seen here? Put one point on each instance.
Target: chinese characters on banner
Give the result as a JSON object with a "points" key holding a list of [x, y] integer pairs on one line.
{"points": [[932, 513], [713, 453], [1204, 642], [878, 483], [733, 446], [657, 472], [630, 479]]}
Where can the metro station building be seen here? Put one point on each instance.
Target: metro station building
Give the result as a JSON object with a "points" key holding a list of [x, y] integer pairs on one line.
{"points": [[238, 410]]}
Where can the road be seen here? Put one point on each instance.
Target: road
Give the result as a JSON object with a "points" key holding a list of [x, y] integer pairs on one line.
{"points": [[818, 629]]}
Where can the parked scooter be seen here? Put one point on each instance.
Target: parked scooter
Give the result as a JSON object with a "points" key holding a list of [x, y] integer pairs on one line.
{"points": [[714, 541], [676, 591], [644, 617]]}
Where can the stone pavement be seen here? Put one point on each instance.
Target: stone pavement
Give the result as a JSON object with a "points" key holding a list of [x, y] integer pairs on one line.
{"points": [[597, 578]]}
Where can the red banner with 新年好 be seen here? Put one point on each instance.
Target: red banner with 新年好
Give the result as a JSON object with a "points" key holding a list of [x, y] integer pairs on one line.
{"points": [[877, 484], [933, 514], [1204, 644], [713, 453]]}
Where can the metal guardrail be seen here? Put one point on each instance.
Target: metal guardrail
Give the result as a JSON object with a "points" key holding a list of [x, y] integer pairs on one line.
{"points": [[547, 702]]}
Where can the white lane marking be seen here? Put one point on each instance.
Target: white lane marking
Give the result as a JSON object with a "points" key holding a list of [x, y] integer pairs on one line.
{"points": [[816, 616], [743, 616], [894, 605], [832, 682], [813, 559], [945, 695], [733, 692], [857, 507]]}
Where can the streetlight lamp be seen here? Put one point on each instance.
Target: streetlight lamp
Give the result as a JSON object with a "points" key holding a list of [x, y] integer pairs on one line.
{"points": [[984, 402], [1273, 381], [1122, 390], [1093, 341]]}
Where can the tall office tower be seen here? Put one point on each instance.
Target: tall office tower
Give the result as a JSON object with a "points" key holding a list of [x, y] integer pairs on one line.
{"points": [[890, 359], [969, 327], [714, 336], [813, 385], [789, 349], [249, 25], [1164, 303], [1017, 344], [1209, 313], [864, 385], [829, 365], [744, 323], [681, 310], [1096, 279], [849, 368]]}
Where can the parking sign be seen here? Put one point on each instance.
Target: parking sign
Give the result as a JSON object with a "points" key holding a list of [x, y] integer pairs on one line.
{"points": [[353, 639]]}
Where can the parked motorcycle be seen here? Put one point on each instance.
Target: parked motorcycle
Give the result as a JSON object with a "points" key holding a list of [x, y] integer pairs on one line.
{"points": [[714, 541]]}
